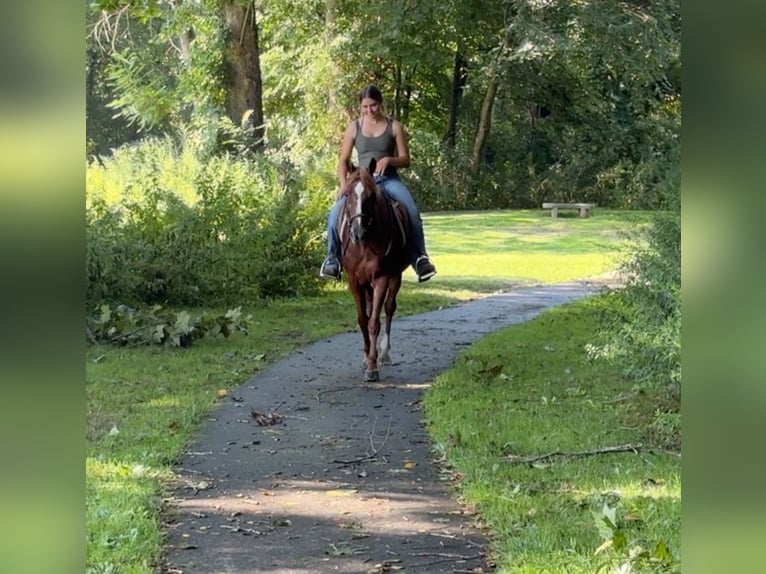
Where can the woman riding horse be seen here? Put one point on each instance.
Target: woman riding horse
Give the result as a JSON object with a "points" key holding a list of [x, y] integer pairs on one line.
{"points": [[381, 138], [374, 256]]}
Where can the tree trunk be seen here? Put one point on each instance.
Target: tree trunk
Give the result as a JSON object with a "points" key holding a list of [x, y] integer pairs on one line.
{"points": [[482, 130], [459, 77], [244, 87], [402, 93], [329, 21], [397, 111], [407, 97]]}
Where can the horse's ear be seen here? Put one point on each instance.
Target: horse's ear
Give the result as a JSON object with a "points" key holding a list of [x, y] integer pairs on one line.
{"points": [[351, 167], [373, 163]]}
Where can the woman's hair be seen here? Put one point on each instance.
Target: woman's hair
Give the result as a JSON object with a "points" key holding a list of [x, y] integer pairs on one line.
{"points": [[373, 92]]}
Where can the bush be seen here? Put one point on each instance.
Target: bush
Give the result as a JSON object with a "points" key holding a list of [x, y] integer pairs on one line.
{"points": [[645, 333], [240, 229], [440, 178]]}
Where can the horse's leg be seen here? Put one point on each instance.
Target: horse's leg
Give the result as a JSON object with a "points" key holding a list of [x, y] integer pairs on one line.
{"points": [[367, 294], [380, 287], [385, 341], [360, 297]]}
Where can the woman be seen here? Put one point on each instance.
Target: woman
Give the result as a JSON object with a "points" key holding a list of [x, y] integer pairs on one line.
{"points": [[382, 138]]}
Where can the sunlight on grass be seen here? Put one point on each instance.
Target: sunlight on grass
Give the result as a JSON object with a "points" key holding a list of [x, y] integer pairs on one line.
{"points": [[540, 268], [525, 247], [164, 402], [122, 515]]}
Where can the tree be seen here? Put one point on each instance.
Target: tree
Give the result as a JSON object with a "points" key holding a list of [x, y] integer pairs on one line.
{"points": [[462, 75], [244, 89], [459, 79], [183, 63], [483, 126]]}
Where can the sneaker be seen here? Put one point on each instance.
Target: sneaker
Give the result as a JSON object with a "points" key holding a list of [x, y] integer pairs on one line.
{"points": [[424, 268], [330, 269]]}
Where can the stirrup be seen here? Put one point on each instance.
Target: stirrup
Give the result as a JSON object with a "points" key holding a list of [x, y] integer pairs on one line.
{"points": [[328, 274]]}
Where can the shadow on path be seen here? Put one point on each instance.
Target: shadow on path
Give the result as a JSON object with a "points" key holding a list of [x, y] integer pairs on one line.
{"points": [[344, 482]]}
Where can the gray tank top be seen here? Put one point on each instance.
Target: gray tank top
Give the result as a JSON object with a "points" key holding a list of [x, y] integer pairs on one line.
{"points": [[377, 147]]}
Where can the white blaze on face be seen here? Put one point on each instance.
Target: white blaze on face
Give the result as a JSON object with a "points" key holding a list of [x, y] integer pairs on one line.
{"points": [[358, 189]]}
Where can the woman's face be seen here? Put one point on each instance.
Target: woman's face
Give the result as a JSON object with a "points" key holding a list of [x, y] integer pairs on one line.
{"points": [[370, 107]]}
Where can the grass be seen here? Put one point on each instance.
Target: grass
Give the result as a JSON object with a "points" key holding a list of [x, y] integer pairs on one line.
{"points": [[144, 404], [495, 250], [528, 391]]}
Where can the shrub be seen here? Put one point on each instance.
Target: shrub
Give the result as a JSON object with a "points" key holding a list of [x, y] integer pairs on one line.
{"points": [[645, 332], [240, 229]]}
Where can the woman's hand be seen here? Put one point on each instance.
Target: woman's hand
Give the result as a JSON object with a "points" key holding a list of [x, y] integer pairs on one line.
{"points": [[381, 165]]}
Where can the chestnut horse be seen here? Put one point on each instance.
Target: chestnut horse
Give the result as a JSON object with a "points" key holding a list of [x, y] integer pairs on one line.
{"points": [[374, 257]]}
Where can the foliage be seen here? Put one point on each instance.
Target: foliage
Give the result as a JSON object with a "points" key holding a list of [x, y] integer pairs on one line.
{"points": [[625, 555], [644, 332], [104, 131], [608, 74], [163, 61], [163, 227], [608, 77], [122, 325]]}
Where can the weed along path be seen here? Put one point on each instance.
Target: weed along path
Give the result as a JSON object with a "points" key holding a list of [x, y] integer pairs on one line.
{"points": [[305, 469]]}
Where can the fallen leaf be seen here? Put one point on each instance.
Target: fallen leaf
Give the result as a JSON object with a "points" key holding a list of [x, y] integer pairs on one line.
{"points": [[265, 419]]}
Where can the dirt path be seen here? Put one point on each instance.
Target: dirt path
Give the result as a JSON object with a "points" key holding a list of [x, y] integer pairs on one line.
{"points": [[344, 481]]}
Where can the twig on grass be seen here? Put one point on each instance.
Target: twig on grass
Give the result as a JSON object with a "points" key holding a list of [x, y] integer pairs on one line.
{"points": [[636, 449], [448, 558], [375, 450], [453, 537]]}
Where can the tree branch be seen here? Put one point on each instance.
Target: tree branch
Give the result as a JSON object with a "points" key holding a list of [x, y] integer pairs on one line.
{"points": [[636, 449], [447, 558], [375, 450]]}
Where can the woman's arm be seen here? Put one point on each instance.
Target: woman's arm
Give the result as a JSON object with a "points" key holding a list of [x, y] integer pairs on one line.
{"points": [[402, 158], [344, 159]]}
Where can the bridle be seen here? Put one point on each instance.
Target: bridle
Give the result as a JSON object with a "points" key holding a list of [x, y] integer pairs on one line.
{"points": [[367, 220]]}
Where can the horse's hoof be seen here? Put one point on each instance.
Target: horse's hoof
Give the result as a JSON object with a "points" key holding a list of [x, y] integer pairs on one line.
{"points": [[371, 376], [385, 360]]}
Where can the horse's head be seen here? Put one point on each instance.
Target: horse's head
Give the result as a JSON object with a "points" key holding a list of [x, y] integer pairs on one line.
{"points": [[361, 193]]}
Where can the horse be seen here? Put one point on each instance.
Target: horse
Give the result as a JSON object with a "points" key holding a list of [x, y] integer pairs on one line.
{"points": [[374, 240]]}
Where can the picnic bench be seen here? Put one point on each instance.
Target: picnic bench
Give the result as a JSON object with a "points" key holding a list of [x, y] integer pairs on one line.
{"points": [[584, 209]]}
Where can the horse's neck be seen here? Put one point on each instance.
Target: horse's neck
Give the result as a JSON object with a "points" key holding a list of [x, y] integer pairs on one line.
{"points": [[384, 212]]}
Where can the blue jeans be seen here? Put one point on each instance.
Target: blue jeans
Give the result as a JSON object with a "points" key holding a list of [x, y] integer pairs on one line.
{"points": [[393, 187]]}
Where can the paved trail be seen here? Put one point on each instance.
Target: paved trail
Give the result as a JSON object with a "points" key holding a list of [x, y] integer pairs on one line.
{"points": [[345, 481]]}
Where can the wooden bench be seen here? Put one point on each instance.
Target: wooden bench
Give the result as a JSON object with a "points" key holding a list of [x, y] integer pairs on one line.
{"points": [[584, 209]]}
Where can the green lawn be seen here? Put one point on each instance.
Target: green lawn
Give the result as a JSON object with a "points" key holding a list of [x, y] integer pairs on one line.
{"points": [[143, 404], [528, 391]]}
